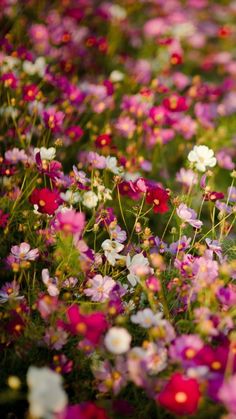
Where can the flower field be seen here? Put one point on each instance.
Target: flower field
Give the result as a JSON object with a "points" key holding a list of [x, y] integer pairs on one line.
{"points": [[117, 209]]}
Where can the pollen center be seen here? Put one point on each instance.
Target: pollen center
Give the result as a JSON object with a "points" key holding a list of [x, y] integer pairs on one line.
{"points": [[181, 397]]}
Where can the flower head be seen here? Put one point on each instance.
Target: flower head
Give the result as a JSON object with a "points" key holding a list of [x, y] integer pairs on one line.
{"points": [[202, 157], [117, 340], [181, 395]]}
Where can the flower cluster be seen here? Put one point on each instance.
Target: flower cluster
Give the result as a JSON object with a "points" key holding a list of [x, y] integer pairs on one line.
{"points": [[117, 209]]}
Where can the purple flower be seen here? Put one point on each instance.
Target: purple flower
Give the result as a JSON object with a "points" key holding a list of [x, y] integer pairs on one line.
{"points": [[188, 215], [9, 292], [232, 193], [182, 244], [111, 378], [184, 348]]}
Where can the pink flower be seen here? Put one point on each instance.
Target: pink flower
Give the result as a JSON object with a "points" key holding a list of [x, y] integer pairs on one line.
{"points": [[100, 288], [188, 215], [227, 394], [126, 126], [70, 222], [15, 155], [23, 252]]}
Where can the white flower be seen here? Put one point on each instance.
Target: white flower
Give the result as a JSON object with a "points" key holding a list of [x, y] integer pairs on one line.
{"points": [[46, 395], [70, 196], [104, 194], [46, 153], [116, 76], [38, 67], [117, 340], [202, 156], [118, 12], [137, 267], [111, 164], [90, 199], [146, 318], [112, 249]]}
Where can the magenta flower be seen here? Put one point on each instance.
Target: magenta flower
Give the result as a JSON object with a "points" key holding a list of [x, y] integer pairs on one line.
{"points": [[100, 288], [53, 119]]}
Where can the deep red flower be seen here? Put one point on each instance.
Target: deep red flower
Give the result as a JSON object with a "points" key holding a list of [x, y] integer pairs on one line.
{"points": [[103, 140], [213, 196], [30, 92], [180, 395], [176, 58], [91, 326], [46, 200], [158, 197]]}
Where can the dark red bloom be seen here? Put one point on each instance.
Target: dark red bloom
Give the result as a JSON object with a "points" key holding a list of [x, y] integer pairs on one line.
{"points": [[103, 140], [91, 326], [46, 200], [30, 92], [158, 197], [176, 59], [180, 395], [213, 196]]}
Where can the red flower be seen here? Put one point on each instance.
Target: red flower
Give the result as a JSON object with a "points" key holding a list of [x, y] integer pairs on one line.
{"points": [[213, 196], [180, 395], [46, 200], [30, 92], [91, 326], [158, 197], [103, 140], [176, 59]]}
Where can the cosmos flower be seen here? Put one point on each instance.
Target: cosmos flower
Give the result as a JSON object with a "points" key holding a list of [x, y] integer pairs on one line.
{"points": [[202, 157], [100, 288], [158, 197], [46, 200], [188, 215], [117, 340], [180, 395], [46, 395]]}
